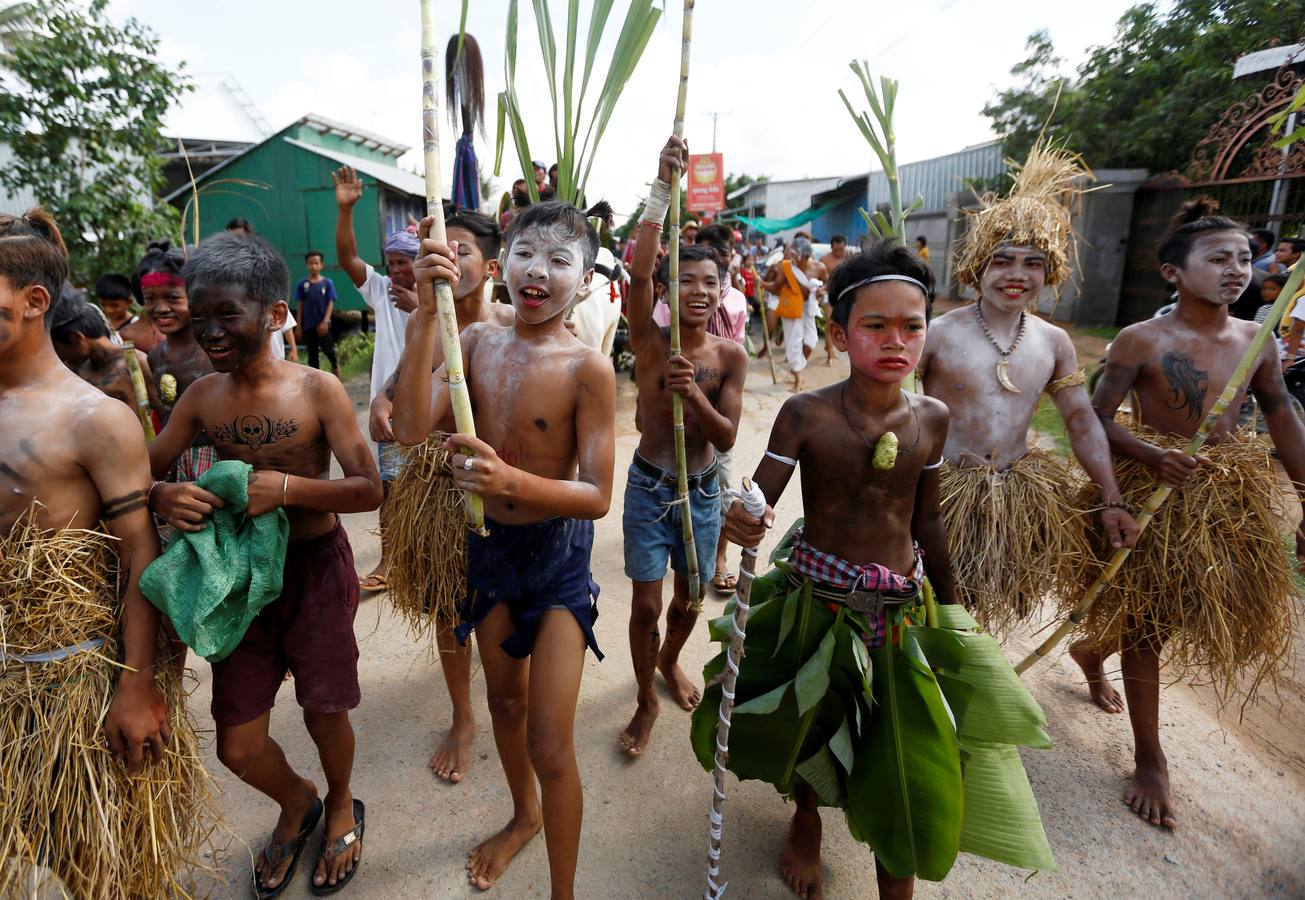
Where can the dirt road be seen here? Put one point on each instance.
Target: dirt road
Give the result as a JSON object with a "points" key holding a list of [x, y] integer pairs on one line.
{"points": [[1240, 785]]}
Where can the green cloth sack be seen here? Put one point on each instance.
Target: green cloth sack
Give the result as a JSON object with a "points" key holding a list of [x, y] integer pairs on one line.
{"points": [[211, 583]]}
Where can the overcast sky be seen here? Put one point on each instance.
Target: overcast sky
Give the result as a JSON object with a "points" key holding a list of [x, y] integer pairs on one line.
{"points": [[772, 68]]}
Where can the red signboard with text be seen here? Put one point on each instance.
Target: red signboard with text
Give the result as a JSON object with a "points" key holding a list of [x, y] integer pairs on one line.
{"points": [[706, 183]]}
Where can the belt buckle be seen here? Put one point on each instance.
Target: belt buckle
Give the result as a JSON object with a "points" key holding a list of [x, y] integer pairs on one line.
{"points": [[870, 602]]}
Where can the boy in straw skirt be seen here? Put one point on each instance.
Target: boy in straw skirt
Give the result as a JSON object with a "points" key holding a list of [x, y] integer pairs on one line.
{"points": [[1210, 582], [542, 461], [1014, 530], [426, 529], [856, 690], [72, 458]]}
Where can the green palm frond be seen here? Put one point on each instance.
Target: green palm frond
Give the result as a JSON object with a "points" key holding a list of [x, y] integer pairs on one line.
{"points": [[568, 108]]}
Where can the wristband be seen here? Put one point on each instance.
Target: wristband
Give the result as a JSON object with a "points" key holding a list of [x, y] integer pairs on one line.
{"points": [[149, 495], [285, 487], [1119, 504], [658, 202]]}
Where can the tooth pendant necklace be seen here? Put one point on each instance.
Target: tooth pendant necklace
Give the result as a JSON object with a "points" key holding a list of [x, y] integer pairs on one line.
{"points": [[1003, 373]]}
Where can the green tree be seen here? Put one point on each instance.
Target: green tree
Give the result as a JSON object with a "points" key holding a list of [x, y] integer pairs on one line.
{"points": [[15, 22], [1145, 99], [82, 113]]}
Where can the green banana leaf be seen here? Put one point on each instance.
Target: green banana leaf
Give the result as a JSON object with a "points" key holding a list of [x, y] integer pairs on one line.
{"points": [[1001, 816], [905, 796]]}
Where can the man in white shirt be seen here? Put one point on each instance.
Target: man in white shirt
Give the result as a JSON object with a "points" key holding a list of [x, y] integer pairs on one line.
{"points": [[391, 298], [285, 340]]}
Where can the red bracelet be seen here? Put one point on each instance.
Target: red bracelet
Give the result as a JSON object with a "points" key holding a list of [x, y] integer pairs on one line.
{"points": [[656, 226]]}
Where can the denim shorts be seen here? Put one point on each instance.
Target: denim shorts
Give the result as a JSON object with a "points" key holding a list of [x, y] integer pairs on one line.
{"points": [[389, 456], [654, 529]]}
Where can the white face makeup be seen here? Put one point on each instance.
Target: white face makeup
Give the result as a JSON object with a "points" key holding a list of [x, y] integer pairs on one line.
{"points": [[545, 270], [1014, 277], [1217, 268]]}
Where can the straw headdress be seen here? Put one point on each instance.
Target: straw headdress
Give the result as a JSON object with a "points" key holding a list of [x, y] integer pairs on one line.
{"points": [[1036, 213]]}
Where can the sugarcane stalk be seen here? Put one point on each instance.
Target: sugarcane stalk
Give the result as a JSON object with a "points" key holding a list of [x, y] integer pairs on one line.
{"points": [[138, 388], [765, 334], [1158, 497], [754, 501], [677, 402], [448, 319]]}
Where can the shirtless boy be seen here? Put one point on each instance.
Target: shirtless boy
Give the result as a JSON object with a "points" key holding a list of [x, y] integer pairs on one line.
{"points": [[542, 461], [478, 240], [287, 421], [113, 293], [179, 361], [81, 338], [1176, 366], [991, 362], [831, 261], [858, 519], [708, 374], [80, 455], [391, 298]]}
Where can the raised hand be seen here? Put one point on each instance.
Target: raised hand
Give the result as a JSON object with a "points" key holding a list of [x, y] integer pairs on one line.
{"points": [[348, 188]]}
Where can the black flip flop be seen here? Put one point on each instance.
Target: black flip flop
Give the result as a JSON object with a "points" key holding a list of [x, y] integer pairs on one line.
{"points": [[338, 846], [276, 854]]}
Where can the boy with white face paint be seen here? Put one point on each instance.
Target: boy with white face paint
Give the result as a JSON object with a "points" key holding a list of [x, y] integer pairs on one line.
{"points": [[1014, 534], [543, 462]]}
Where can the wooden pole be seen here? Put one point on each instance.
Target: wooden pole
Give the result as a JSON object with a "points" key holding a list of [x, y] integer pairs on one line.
{"points": [[754, 501], [448, 320], [1158, 497], [677, 402]]}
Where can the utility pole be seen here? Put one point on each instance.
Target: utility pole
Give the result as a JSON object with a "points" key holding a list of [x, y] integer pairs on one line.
{"points": [[714, 117]]}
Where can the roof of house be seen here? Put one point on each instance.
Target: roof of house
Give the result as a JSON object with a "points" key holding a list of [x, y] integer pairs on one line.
{"points": [[387, 174]]}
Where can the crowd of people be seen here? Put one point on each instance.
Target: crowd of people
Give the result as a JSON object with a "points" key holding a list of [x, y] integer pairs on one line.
{"points": [[930, 524]]}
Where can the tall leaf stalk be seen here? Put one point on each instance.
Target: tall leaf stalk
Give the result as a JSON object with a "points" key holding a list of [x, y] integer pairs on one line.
{"points": [[448, 320], [1158, 497], [575, 152], [883, 140], [677, 402]]}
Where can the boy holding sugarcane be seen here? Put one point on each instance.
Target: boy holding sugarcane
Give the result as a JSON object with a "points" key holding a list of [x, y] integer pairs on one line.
{"points": [[81, 338], [837, 703], [1209, 582], [709, 375], [542, 462]]}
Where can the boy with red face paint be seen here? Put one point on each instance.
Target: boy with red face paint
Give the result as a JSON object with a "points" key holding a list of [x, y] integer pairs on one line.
{"points": [[810, 718], [708, 374], [1016, 531]]}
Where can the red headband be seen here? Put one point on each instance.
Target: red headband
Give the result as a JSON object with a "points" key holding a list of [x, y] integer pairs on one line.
{"points": [[161, 279]]}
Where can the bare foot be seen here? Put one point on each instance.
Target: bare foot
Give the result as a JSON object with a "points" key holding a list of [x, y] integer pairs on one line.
{"points": [[339, 822], [683, 690], [454, 754], [799, 863], [1101, 690], [491, 857], [829, 359], [287, 827], [1148, 795], [635, 737]]}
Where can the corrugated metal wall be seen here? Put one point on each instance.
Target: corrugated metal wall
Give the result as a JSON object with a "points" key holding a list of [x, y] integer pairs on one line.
{"points": [[936, 179]]}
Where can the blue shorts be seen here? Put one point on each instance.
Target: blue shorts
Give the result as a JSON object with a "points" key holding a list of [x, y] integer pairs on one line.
{"points": [[653, 526], [390, 459], [532, 569]]}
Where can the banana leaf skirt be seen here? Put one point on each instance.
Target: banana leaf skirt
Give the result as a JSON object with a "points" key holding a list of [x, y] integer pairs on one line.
{"points": [[914, 740]]}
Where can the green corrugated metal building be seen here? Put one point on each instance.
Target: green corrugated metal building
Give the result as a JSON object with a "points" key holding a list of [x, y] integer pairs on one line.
{"points": [[282, 185]]}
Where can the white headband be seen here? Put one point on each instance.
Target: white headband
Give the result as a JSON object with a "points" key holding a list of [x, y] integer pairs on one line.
{"points": [[864, 281]]}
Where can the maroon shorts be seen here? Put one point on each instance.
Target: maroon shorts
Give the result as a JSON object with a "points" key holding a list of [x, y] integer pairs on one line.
{"points": [[308, 630]]}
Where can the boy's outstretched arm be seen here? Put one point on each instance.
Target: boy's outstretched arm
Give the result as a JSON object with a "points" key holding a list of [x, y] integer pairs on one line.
{"points": [[1123, 365], [360, 488], [348, 191], [672, 161], [421, 399], [115, 458], [184, 505], [772, 476], [1087, 438], [587, 497]]}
